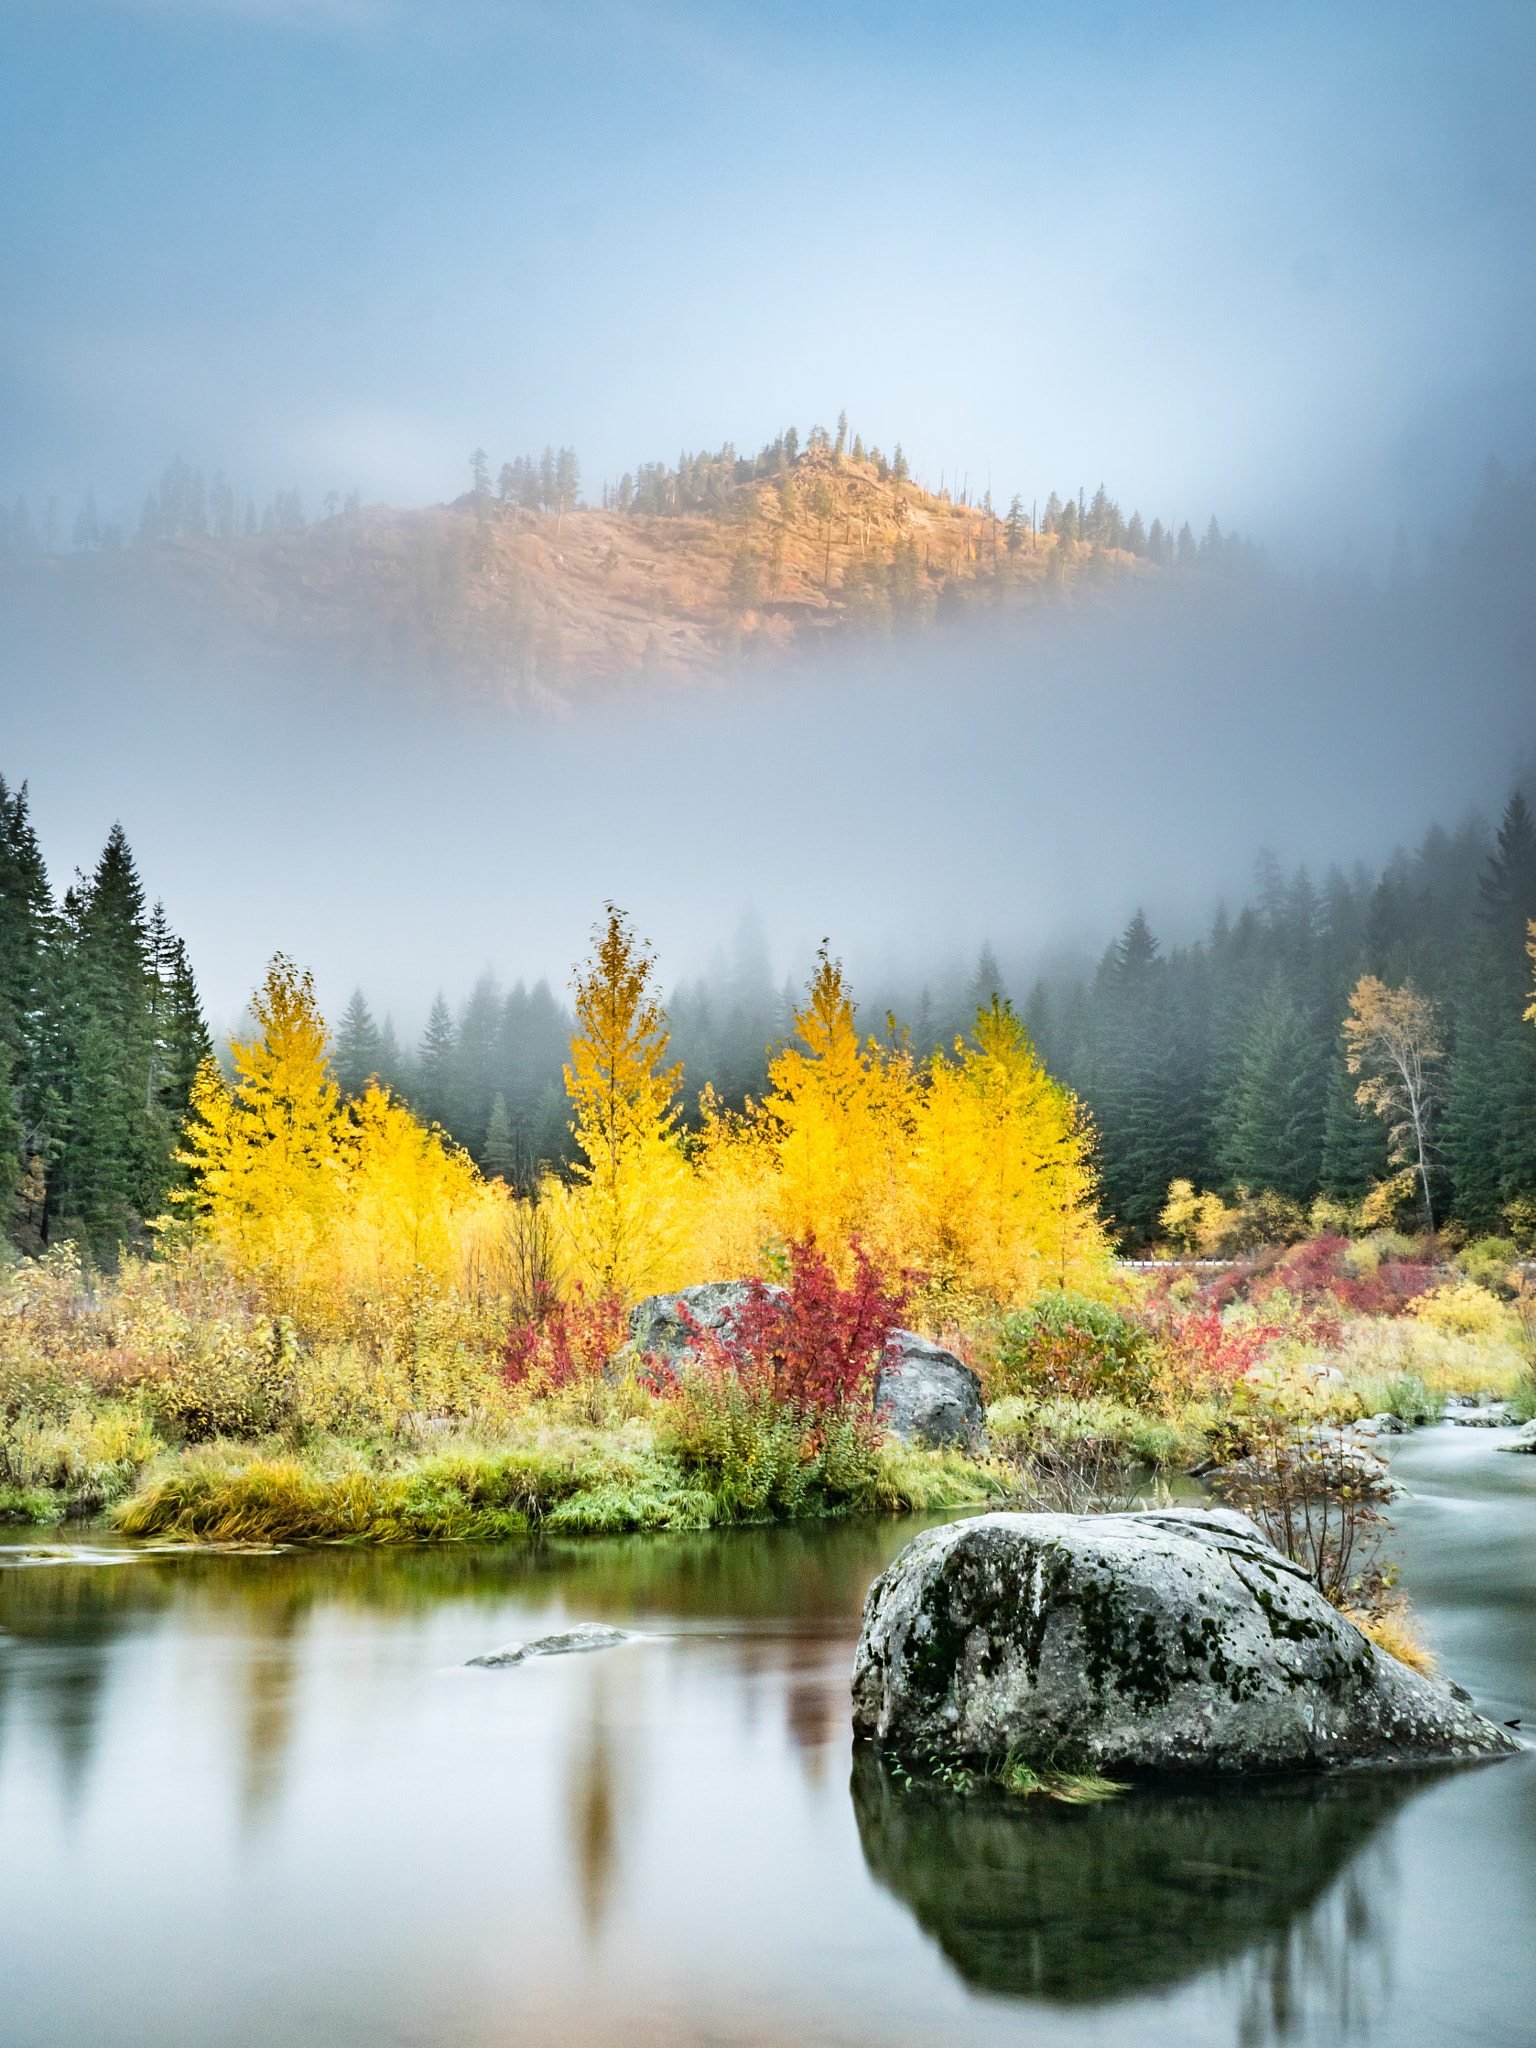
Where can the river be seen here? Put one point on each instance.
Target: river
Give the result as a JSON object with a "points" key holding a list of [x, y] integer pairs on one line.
{"points": [[259, 1801]]}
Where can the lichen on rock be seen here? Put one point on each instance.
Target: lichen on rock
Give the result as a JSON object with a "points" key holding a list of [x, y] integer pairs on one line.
{"points": [[1165, 1640]]}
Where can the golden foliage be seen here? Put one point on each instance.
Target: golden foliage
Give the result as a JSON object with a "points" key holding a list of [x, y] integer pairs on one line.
{"points": [[1461, 1309], [623, 1222], [326, 1204], [974, 1170]]}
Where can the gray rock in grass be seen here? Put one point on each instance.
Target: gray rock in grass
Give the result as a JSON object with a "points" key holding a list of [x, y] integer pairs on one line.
{"points": [[659, 1325], [1166, 1640], [587, 1635], [924, 1394]]}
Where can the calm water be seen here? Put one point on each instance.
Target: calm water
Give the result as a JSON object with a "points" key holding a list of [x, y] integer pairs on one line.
{"points": [[257, 1800]]}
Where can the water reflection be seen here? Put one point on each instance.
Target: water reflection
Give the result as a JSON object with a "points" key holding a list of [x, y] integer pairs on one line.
{"points": [[268, 1786], [592, 1803], [1078, 1904]]}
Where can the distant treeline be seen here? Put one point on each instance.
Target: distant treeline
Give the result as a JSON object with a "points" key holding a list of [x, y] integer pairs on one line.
{"points": [[1223, 1063], [187, 505]]}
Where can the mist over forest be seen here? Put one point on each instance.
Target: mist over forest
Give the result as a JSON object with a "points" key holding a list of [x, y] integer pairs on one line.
{"points": [[1170, 808]]}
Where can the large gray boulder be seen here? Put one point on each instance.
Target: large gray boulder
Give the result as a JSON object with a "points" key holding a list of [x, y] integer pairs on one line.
{"points": [[924, 1394], [657, 1325], [1524, 1439], [1167, 1640]]}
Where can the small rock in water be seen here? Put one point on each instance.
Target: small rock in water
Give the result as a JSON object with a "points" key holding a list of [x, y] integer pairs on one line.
{"points": [[587, 1635], [1386, 1424], [1492, 1415], [1522, 1440]]}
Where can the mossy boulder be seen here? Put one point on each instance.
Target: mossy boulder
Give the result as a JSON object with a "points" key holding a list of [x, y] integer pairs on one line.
{"points": [[1167, 1640]]}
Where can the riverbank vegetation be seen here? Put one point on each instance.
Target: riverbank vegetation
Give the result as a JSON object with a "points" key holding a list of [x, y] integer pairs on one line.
{"points": [[338, 1327]]}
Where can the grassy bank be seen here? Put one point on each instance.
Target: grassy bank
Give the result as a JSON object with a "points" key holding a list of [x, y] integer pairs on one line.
{"points": [[170, 1400]]}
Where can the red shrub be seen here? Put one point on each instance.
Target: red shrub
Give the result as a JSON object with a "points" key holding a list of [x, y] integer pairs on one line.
{"points": [[815, 1346], [1202, 1348], [1318, 1281], [573, 1341]]}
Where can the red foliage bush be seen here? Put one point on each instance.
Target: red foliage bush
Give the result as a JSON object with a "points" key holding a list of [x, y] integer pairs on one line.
{"points": [[814, 1346], [1201, 1348], [572, 1341], [1315, 1275]]}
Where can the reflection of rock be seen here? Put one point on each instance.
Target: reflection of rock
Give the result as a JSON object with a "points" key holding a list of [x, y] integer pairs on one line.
{"points": [[923, 1392], [1169, 1640], [587, 1635], [1097, 1902], [657, 1325]]}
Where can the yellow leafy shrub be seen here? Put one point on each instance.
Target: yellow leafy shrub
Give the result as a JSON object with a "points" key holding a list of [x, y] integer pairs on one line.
{"points": [[1461, 1309]]}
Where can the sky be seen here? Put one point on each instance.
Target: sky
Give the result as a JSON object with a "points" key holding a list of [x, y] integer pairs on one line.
{"points": [[1267, 261], [1271, 262]]}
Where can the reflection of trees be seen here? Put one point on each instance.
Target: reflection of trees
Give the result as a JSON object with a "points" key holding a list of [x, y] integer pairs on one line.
{"points": [[77, 1611], [270, 1669], [592, 1799], [1081, 1904]]}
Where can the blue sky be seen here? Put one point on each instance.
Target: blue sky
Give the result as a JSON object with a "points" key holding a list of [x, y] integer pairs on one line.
{"points": [[1268, 261]]}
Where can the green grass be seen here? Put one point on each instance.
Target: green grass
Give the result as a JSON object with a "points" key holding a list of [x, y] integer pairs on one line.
{"points": [[561, 1480], [35, 1504]]}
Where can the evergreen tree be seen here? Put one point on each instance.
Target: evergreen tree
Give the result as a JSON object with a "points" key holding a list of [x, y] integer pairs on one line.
{"points": [[434, 1091], [1274, 1136], [498, 1154], [1507, 892], [26, 914], [984, 985], [477, 1079], [108, 1136], [356, 1051], [1473, 1128], [179, 1038]]}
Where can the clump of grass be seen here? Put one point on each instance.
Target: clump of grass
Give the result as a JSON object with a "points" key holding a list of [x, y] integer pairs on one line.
{"points": [[1391, 1627], [1011, 1773], [30, 1504], [1069, 1788], [1375, 1353], [480, 1487], [911, 1481]]}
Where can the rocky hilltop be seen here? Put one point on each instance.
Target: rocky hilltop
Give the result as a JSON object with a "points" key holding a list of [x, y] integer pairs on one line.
{"points": [[506, 601]]}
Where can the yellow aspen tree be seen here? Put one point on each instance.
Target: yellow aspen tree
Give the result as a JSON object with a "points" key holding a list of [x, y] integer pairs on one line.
{"points": [[841, 1111], [1392, 1040], [266, 1155], [1001, 1169], [408, 1195], [625, 1223]]}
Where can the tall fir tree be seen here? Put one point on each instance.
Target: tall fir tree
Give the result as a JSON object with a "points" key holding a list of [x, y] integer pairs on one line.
{"points": [[26, 917], [357, 1049]]}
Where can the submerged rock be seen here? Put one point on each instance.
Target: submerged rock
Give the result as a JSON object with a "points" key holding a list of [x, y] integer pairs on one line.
{"points": [[1165, 1640], [586, 1635], [924, 1394], [1522, 1440], [657, 1326]]}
